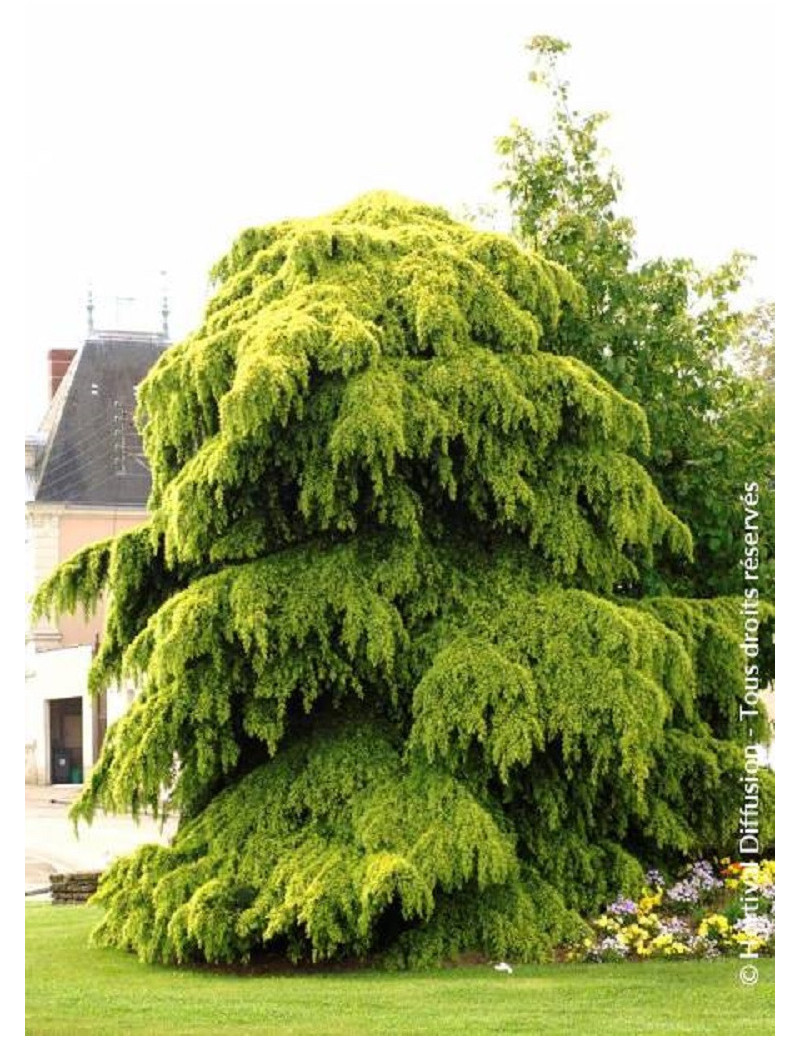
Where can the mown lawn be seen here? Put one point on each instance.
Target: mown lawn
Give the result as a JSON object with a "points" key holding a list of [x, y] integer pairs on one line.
{"points": [[72, 990]]}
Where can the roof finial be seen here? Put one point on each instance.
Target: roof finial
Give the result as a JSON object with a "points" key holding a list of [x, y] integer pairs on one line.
{"points": [[164, 306], [90, 310]]}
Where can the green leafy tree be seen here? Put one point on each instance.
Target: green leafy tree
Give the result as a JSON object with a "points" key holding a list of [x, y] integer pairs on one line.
{"points": [[755, 350], [662, 332], [384, 677]]}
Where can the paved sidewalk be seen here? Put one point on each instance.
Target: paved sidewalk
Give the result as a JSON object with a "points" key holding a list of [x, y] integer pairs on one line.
{"points": [[51, 845]]}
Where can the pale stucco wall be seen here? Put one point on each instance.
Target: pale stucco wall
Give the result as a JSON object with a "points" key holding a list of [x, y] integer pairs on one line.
{"points": [[54, 675], [77, 530], [42, 546], [59, 652]]}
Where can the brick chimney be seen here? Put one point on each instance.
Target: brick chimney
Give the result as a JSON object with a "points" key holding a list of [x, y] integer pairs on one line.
{"points": [[58, 361]]}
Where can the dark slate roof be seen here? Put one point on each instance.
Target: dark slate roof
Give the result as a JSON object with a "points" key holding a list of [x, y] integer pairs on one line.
{"points": [[93, 454]]}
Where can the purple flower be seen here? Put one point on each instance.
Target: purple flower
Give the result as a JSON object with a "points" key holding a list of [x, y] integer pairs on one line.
{"points": [[699, 880], [655, 879], [609, 947], [684, 891], [621, 906], [674, 926], [760, 925], [703, 874]]}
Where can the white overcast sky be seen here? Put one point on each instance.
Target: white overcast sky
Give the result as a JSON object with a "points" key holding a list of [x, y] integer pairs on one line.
{"points": [[156, 132]]}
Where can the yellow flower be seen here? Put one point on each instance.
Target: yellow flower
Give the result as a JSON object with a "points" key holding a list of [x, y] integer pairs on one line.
{"points": [[646, 903], [754, 942], [716, 921]]}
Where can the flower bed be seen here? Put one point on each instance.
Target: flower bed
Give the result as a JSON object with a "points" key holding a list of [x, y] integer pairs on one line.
{"points": [[708, 911]]}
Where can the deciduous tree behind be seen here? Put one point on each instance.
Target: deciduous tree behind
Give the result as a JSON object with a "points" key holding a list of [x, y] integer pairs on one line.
{"points": [[666, 334]]}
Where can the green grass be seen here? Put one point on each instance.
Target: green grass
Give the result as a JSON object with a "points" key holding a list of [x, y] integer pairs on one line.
{"points": [[73, 990]]}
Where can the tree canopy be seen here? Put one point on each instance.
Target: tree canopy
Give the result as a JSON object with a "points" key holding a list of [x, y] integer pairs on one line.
{"points": [[386, 675], [665, 333]]}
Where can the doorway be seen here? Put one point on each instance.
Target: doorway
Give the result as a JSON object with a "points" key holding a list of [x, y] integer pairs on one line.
{"points": [[66, 741]]}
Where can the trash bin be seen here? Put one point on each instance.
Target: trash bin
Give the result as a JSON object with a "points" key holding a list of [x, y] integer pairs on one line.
{"points": [[61, 769]]}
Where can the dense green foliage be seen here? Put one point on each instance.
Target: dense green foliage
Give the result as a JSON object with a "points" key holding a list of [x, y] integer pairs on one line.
{"points": [[386, 678], [665, 333]]}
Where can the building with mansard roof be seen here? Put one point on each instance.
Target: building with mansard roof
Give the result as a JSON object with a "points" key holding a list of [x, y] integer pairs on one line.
{"points": [[87, 478]]}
